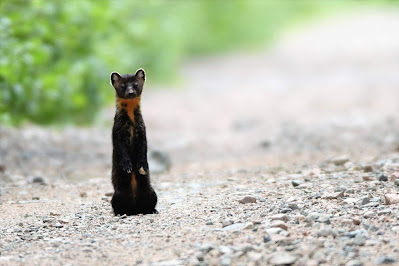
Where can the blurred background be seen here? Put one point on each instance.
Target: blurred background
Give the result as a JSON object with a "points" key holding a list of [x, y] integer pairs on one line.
{"points": [[56, 56], [254, 82]]}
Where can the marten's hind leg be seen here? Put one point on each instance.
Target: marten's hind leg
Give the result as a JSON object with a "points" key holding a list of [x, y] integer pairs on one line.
{"points": [[146, 197], [124, 198], [123, 202]]}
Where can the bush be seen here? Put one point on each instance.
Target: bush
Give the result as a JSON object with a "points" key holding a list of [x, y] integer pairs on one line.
{"points": [[56, 56]]}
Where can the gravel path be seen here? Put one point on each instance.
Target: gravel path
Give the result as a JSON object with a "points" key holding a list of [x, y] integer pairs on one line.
{"points": [[285, 157]]}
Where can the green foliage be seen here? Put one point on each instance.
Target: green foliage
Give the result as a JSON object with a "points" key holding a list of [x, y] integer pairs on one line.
{"points": [[56, 56]]}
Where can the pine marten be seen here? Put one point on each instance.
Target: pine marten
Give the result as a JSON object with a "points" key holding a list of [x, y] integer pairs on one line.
{"points": [[130, 174]]}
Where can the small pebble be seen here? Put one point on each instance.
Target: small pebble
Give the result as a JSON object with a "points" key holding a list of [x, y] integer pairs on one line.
{"points": [[368, 168], [325, 232], [283, 258], [247, 199], [341, 160], [278, 223], [58, 225], [383, 178], [384, 260], [39, 180], [280, 216], [296, 183], [109, 194], [391, 199]]}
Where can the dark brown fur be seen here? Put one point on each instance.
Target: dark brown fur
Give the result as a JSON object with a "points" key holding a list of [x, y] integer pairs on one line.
{"points": [[130, 174]]}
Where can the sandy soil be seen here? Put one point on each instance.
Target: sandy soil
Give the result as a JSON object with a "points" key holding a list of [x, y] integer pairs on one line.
{"points": [[282, 157]]}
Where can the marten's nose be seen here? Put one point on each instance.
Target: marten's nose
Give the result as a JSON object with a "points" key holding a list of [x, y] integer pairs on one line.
{"points": [[130, 92]]}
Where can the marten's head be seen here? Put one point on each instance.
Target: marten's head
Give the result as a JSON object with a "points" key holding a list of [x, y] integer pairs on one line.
{"points": [[128, 86]]}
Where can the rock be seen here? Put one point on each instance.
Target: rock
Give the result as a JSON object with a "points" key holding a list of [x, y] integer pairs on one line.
{"points": [[384, 212], [293, 206], [372, 204], [215, 253], [227, 223], [249, 225], [63, 221], [285, 210], [247, 199], [391, 199], [206, 247], [58, 225], [364, 200], [350, 191], [238, 227], [168, 263], [246, 248], [383, 178], [283, 258], [325, 232], [368, 168], [359, 240], [274, 231], [354, 263], [225, 250], [159, 161], [319, 217], [396, 182], [83, 194], [226, 261], [109, 194], [48, 220], [39, 180], [107, 199], [384, 260], [335, 195], [265, 144], [355, 233], [356, 221], [368, 178], [35, 198], [266, 238], [209, 223], [278, 223], [296, 183], [255, 256], [280, 216], [341, 160], [369, 214]]}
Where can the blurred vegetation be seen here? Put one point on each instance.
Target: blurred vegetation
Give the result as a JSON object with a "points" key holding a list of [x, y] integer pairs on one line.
{"points": [[56, 56]]}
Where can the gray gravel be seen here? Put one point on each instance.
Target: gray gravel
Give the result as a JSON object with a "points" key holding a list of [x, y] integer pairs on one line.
{"points": [[323, 188]]}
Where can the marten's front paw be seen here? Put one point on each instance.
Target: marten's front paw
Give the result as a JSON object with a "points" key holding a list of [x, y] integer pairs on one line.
{"points": [[143, 167], [142, 171], [127, 166]]}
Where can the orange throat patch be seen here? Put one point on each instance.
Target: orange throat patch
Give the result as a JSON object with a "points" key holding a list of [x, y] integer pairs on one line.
{"points": [[129, 105]]}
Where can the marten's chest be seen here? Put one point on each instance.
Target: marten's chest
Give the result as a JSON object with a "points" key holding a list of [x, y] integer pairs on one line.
{"points": [[130, 134], [129, 106]]}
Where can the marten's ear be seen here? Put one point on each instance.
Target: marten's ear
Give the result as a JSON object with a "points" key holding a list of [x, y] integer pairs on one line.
{"points": [[115, 78], [140, 73]]}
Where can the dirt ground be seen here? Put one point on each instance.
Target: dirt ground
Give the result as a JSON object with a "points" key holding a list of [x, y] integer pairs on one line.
{"points": [[288, 156]]}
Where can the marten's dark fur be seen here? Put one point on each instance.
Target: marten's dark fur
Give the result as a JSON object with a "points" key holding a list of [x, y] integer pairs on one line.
{"points": [[130, 173]]}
